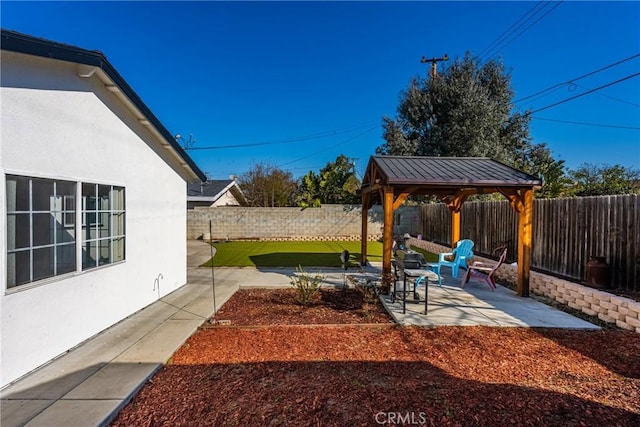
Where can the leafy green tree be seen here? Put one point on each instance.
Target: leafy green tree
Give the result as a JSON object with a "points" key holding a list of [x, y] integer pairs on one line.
{"points": [[537, 160], [335, 183], [267, 186], [467, 110], [599, 180], [308, 193]]}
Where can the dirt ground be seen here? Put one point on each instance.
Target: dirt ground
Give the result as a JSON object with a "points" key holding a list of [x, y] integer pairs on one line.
{"points": [[340, 362]]}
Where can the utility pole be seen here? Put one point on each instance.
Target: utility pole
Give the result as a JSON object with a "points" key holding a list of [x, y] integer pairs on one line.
{"points": [[434, 67]]}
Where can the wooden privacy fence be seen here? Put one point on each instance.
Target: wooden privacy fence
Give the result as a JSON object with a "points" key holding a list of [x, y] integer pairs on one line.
{"points": [[566, 233]]}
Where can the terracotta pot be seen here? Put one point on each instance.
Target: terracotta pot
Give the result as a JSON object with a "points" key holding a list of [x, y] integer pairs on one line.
{"points": [[597, 273]]}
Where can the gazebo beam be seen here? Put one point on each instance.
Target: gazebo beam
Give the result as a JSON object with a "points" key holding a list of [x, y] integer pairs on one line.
{"points": [[454, 203], [371, 188], [400, 200]]}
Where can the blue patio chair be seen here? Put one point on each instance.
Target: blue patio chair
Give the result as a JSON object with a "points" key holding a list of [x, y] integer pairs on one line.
{"points": [[461, 253]]}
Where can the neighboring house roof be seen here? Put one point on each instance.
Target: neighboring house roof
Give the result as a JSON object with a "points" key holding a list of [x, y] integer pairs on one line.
{"points": [[94, 62], [212, 190], [448, 172]]}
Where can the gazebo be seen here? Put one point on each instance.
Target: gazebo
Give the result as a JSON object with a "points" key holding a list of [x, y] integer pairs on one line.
{"points": [[391, 179]]}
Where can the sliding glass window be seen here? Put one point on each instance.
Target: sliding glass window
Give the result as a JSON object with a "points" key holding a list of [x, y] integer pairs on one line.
{"points": [[103, 219], [41, 229]]}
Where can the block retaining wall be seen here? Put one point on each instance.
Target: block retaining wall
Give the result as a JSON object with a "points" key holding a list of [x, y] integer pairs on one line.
{"points": [[329, 222], [349, 238], [621, 311]]}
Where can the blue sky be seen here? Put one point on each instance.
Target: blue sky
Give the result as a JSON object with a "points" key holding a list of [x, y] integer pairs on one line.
{"points": [[313, 80]]}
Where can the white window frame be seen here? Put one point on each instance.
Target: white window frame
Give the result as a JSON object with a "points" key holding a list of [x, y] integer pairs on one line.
{"points": [[69, 212], [98, 226], [31, 247], [69, 218]]}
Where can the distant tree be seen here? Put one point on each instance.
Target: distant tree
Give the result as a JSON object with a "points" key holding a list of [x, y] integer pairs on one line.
{"points": [[467, 110], [537, 160], [308, 194], [267, 186], [335, 183], [599, 180]]}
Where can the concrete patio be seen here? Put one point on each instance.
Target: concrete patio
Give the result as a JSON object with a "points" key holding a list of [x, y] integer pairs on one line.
{"points": [[477, 305]]}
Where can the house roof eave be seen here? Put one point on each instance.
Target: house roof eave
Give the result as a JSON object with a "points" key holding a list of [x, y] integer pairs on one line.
{"points": [[22, 43]]}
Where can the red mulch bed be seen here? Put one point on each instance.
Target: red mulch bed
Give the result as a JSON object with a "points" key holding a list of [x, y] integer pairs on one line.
{"points": [[280, 307], [368, 375]]}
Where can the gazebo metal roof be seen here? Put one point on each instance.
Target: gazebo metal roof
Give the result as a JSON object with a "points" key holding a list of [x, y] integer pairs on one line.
{"points": [[450, 171], [444, 177]]}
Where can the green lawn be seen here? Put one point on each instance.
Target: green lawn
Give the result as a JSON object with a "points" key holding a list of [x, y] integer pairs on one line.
{"points": [[289, 254]]}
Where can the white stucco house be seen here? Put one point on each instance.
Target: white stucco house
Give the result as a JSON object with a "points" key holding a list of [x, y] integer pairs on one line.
{"points": [[214, 193], [92, 200]]}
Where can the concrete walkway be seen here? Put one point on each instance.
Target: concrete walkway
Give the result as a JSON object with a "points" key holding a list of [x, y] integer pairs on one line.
{"points": [[89, 385]]}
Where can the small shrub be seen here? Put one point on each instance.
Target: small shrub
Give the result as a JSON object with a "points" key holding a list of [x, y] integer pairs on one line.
{"points": [[369, 292], [306, 285], [367, 287]]}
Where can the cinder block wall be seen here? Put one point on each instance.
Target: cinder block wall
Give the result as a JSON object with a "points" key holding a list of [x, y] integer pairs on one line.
{"points": [[329, 222], [623, 312]]}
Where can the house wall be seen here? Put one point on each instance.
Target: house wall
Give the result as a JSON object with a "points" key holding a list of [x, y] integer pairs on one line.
{"points": [[55, 124]]}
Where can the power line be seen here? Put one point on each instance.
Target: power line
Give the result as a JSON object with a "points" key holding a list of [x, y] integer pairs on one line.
{"points": [[526, 29], [589, 124], [583, 94], [282, 141], [306, 168], [548, 92], [509, 30], [330, 147], [612, 97], [606, 67], [508, 42], [327, 148]]}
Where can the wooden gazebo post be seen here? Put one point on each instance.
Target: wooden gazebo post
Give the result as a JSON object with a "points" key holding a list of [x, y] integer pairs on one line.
{"points": [[455, 227], [387, 236], [393, 199], [522, 202], [364, 235], [525, 242]]}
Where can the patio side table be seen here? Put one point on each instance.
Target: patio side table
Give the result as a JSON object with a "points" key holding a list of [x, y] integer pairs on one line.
{"points": [[417, 273]]}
